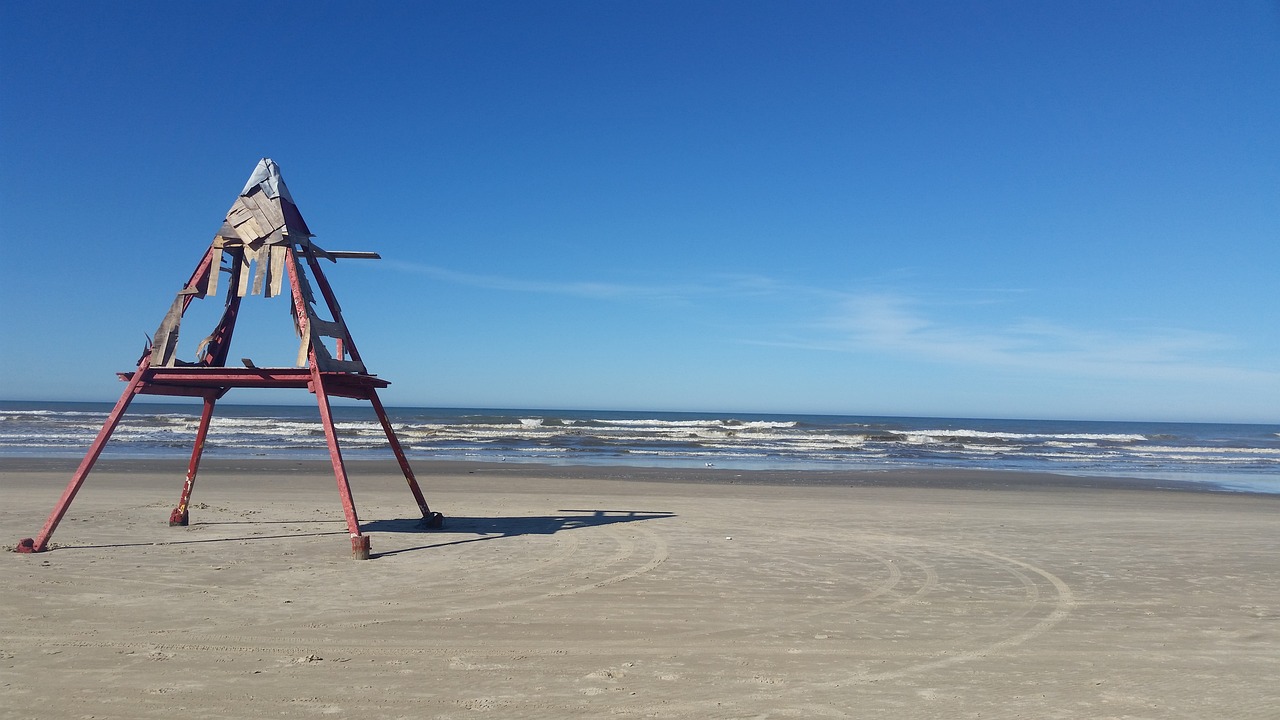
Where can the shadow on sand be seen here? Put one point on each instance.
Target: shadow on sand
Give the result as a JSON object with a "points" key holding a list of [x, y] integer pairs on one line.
{"points": [[486, 528], [496, 528]]}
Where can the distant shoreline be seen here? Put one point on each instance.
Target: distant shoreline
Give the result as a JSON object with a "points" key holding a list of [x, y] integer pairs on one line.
{"points": [[161, 402], [941, 478], [773, 449]]}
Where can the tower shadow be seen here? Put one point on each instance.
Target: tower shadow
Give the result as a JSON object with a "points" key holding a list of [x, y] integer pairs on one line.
{"points": [[496, 528]]}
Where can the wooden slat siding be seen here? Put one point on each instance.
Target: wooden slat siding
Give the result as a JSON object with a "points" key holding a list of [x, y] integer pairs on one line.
{"points": [[327, 363], [328, 328], [331, 301], [226, 234], [245, 221], [242, 288], [348, 366], [316, 330], [301, 324], [305, 286], [298, 323], [301, 319], [234, 255], [304, 347], [238, 218], [211, 288], [336, 329], [300, 328], [277, 270], [320, 353], [261, 257], [313, 333], [263, 220], [166, 338], [354, 366], [266, 210], [335, 310]]}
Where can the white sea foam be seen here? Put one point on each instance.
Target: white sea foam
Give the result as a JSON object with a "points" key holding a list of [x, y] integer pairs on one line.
{"points": [[765, 425], [691, 454], [936, 435], [19, 414], [662, 423], [753, 441], [1265, 452], [1072, 457]]}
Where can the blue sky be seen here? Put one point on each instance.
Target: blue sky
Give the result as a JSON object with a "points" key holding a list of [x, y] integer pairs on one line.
{"points": [[1021, 209]]}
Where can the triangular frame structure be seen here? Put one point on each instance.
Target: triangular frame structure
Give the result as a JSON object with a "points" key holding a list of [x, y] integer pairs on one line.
{"points": [[263, 229]]}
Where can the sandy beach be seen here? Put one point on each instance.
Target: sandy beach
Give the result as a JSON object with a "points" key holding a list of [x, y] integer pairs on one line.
{"points": [[597, 592]]}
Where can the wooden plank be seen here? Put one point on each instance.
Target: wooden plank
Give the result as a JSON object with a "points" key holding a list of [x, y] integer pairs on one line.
{"points": [[215, 271], [266, 210], [305, 287], [165, 344], [320, 352], [328, 328], [277, 269], [226, 234], [304, 337], [261, 257], [245, 221], [328, 364], [243, 288]]}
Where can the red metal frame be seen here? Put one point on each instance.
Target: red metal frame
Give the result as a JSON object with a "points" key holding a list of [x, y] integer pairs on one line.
{"points": [[212, 379], [41, 541], [180, 516]]}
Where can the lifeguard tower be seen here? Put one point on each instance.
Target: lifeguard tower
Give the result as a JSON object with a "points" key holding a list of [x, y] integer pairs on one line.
{"points": [[263, 241]]}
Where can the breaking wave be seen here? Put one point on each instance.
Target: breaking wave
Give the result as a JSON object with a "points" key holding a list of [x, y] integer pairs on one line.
{"points": [[742, 441]]}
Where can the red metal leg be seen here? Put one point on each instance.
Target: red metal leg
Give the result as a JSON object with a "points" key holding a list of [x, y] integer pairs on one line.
{"points": [[41, 542], [359, 543], [179, 516], [347, 344], [431, 519]]}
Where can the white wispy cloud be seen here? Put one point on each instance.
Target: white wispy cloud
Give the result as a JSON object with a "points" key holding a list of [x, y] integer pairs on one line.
{"points": [[909, 326], [900, 324]]}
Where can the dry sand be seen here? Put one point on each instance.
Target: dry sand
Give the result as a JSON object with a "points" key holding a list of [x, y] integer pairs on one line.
{"points": [[608, 592]]}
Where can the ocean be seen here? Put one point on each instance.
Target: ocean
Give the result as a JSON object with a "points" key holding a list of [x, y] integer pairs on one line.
{"points": [[1237, 457]]}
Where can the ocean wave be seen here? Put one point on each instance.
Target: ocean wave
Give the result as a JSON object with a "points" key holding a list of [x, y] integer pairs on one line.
{"points": [[1270, 452], [926, 435], [761, 424], [21, 414], [583, 437], [662, 423]]}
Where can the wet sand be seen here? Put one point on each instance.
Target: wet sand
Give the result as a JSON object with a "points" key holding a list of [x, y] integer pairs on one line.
{"points": [[593, 592]]}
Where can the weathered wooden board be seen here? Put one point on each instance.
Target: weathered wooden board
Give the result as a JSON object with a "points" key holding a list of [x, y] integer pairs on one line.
{"points": [[277, 269], [215, 270]]}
